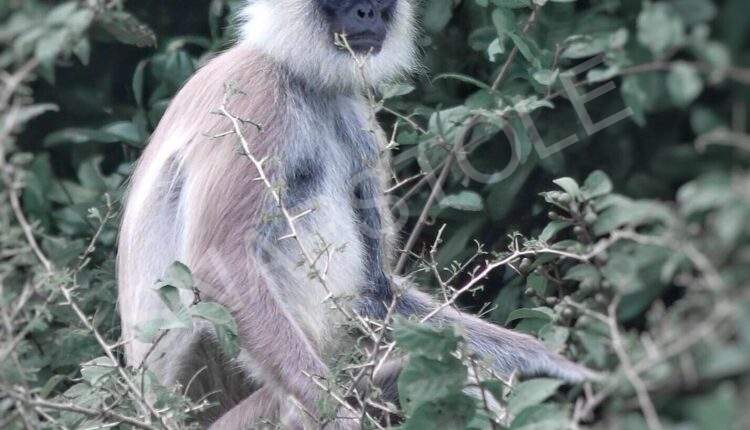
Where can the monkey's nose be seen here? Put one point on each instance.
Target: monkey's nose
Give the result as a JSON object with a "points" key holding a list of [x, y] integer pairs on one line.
{"points": [[365, 12], [364, 26]]}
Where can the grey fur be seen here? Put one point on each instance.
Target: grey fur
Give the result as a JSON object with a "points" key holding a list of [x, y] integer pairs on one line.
{"points": [[196, 200]]}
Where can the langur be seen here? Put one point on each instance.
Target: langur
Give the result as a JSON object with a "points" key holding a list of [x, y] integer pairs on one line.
{"points": [[195, 198]]}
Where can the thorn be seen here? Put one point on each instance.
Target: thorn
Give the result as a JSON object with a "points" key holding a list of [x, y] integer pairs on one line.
{"points": [[302, 215]]}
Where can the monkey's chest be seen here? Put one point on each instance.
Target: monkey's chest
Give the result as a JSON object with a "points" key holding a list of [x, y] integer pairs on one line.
{"points": [[335, 180]]}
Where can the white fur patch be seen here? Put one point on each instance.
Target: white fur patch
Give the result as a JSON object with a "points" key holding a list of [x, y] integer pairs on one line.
{"points": [[294, 33]]}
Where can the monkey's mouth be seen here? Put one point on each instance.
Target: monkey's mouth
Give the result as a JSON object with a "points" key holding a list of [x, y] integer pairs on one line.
{"points": [[365, 42]]}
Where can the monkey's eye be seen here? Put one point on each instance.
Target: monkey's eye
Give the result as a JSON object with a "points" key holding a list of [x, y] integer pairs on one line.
{"points": [[386, 7], [384, 3]]}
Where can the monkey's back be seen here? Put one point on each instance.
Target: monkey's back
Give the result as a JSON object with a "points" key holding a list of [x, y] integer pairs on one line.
{"points": [[154, 220]]}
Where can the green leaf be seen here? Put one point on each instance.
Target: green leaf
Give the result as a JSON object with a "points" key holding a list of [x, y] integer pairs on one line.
{"points": [[583, 273], [228, 341], [463, 78], [95, 370], [507, 300], [660, 28], [437, 14], [80, 21], [27, 113], [78, 136], [704, 194], [420, 339], [596, 185], [139, 81], [179, 276], [146, 332], [504, 21], [631, 214], [570, 186], [527, 48], [694, 11], [127, 28], [125, 131], [585, 46], [553, 228], [542, 313], [451, 412], [636, 97], [82, 51], [538, 283], [60, 14], [531, 393], [170, 296], [622, 272], [684, 84], [717, 410], [546, 77], [554, 337], [541, 417], [512, 3], [424, 380], [496, 48], [463, 201], [215, 313], [531, 104], [521, 142], [50, 46]]}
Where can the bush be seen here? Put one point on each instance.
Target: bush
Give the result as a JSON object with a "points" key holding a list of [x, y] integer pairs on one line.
{"points": [[631, 201]]}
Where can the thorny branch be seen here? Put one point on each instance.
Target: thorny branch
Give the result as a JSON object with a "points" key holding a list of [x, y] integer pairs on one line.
{"points": [[647, 405], [12, 185], [43, 404]]}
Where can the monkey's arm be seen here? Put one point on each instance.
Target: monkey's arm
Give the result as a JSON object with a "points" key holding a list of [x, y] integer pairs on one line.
{"points": [[272, 338], [227, 222]]}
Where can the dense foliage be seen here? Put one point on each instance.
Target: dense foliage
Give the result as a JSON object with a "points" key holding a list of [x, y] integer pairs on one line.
{"points": [[576, 169]]}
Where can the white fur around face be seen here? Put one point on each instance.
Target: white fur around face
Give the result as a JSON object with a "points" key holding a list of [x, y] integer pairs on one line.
{"points": [[294, 33]]}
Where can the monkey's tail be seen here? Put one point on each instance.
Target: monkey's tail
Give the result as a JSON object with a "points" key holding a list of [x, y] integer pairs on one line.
{"points": [[508, 351]]}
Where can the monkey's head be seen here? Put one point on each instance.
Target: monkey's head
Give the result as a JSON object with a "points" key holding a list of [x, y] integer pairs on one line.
{"points": [[301, 34]]}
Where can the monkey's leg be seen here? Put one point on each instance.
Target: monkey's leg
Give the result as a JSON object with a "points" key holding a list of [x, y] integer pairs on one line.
{"points": [[385, 382], [385, 379], [194, 360], [260, 410], [279, 350]]}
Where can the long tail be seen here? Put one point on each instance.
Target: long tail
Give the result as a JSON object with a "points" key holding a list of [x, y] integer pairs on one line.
{"points": [[507, 350]]}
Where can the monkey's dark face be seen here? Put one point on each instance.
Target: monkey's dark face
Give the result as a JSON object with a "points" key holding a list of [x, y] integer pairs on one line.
{"points": [[301, 35], [363, 22]]}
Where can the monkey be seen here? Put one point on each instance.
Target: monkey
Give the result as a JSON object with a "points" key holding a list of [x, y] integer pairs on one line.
{"points": [[194, 197]]}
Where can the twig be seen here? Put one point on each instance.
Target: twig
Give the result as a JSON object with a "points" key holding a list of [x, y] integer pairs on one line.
{"points": [[723, 136], [597, 249], [458, 145], [8, 179], [647, 406], [94, 413]]}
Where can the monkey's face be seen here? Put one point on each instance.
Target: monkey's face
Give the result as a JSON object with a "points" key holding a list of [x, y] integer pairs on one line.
{"points": [[364, 23], [302, 35]]}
